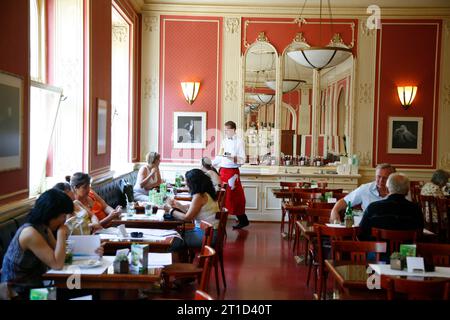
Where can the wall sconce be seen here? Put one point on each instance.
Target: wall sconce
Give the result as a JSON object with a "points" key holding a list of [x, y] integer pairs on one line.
{"points": [[406, 95], [190, 91]]}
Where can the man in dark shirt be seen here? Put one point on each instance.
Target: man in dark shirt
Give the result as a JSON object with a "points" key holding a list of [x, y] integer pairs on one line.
{"points": [[394, 212]]}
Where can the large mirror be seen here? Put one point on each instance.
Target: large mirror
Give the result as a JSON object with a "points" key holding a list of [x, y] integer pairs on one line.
{"points": [[260, 66], [285, 90]]}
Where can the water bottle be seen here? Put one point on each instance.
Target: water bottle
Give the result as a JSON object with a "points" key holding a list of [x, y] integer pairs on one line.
{"points": [[349, 220]]}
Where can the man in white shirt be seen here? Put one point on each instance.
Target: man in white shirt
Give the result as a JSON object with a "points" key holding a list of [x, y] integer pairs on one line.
{"points": [[231, 156], [366, 193]]}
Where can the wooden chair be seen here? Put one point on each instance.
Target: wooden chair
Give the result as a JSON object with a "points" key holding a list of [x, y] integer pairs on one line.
{"points": [[202, 295], [395, 237], [285, 186], [222, 216], [418, 289], [199, 268], [321, 205], [333, 234], [221, 194], [300, 198], [357, 251], [415, 188], [428, 205], [436, 253], [443, 212]]}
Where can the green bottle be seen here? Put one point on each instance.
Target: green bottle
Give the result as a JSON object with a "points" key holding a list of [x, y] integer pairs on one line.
{"points": [[349, 221]]}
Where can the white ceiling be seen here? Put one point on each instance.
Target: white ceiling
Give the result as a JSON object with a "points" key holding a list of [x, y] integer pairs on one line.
{"points": [[311, 3]]}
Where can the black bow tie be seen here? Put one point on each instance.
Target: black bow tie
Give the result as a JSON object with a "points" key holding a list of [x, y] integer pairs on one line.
{"points": [[230, 138]]}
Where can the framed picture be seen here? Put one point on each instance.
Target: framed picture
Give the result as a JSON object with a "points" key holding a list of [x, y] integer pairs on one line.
{"points": [[102, 112], [11, 106], [405, 135], [189, 130]]}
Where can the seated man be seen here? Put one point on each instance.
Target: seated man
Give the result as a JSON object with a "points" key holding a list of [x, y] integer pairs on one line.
{"points": [[393, 213], [365, 194]]}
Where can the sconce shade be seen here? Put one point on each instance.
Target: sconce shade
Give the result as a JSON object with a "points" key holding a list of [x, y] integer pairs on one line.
{"points": [[406, 95], [190, 91], [288, 85]]}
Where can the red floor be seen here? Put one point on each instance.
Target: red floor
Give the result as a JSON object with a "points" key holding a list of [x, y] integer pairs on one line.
{"points": [[259, 264]]}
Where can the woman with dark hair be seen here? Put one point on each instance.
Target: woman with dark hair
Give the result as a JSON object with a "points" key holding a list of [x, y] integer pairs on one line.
{"points": [[34, 247], [435, 188], [211, 172], [81, 221], [203, 206], [91, 201]]}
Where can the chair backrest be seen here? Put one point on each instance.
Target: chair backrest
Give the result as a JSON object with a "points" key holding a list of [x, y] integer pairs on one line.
{"points": [[206, 261], [357, 251], [321, 205], [339, 195], [208, 232], [202, 295], [334, 234], [436, 253], [222, 216], [418, 289], [395, 237], [428, 204], [221, 197], [315, 215], [415, 188], [305, 197], [288, 185], [443, 212]]}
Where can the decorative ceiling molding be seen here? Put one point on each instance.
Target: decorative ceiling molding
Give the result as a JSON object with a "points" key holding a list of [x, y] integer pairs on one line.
{"points": [[291, 10], [232, 24]]}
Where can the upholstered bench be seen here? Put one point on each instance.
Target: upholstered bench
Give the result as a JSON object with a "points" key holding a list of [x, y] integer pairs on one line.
{"points": [[110, 190]]}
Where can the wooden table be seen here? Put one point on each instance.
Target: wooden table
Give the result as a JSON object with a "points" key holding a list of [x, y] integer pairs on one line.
{"points": [[111, 246], [352, 280], [148, 224], [109, 284]]}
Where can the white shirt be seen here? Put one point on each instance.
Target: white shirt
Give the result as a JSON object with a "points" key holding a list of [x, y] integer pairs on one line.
{"points": [[364, 195], [233, 146]]}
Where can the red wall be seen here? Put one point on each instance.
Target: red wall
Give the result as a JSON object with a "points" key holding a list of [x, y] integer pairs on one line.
{"points": [[14, 59], [408, 52], [100, 78], [190, 50], [281, 32]]}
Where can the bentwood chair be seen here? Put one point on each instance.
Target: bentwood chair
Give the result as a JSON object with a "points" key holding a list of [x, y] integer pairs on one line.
{"points": [[429, 205], [357, 251], [199, 268], [418, 289], [222, 216]]}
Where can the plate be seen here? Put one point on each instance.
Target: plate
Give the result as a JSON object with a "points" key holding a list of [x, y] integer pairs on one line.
{"points": [[86, 264]]}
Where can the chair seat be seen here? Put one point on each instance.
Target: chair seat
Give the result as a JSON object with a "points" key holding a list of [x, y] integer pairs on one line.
{"points": [[180, 269]]}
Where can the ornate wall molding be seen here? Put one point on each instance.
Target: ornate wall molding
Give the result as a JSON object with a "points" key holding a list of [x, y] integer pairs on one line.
{"points": [[231, 89], [365, 30], [444, 162], [446, 95], [150, 88], [446, 27], [232, 25], [151, 23], [120, 33], [365, 93]]}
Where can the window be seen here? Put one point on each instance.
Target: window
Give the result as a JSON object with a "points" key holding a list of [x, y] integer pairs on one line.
{"points": [[121, 97], [51, 160]]}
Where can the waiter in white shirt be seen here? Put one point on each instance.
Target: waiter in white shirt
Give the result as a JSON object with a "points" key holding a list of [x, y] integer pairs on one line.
{"points": [[231, 157]]}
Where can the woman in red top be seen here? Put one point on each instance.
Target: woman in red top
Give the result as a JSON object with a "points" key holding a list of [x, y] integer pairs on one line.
{"points": [[81, 185]]}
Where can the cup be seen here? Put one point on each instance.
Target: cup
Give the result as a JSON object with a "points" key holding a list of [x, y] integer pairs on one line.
{"points": [[154, 209], [148, 210], [69, 252]]}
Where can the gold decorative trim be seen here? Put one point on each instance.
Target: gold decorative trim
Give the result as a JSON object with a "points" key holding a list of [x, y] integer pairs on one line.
{"points": [[365, 93], [231, 88], [299, 22]]}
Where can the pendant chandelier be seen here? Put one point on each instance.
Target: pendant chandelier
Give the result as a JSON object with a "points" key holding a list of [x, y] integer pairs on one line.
{"points": [[318, 57]]}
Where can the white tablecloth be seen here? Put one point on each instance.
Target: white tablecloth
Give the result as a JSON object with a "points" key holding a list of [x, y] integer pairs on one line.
{"points": [[440, 272]]}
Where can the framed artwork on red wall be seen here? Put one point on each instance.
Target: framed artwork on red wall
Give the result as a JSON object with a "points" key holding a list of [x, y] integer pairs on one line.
{"points": [[102, 112], [405, 135], [11, 106], [189, 130]]}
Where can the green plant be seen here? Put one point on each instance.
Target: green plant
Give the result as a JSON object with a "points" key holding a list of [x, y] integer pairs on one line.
{"points": [[121, 257]]}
